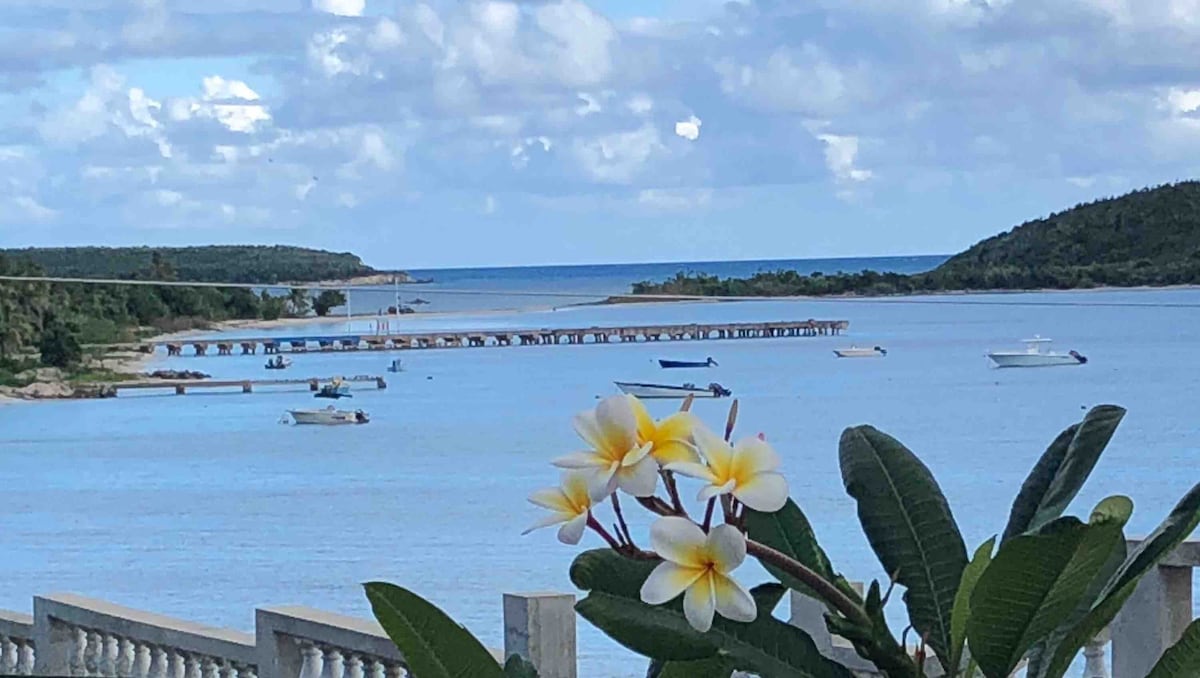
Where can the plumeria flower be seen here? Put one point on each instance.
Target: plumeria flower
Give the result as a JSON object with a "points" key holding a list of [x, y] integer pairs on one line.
{"points": [[670, 439], [617, 459], [570, 505], [700, 565], [746, 470]]}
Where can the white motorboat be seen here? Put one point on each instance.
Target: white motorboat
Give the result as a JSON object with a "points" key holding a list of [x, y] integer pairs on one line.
{"points": [[713, 390], [856, 352], [1037, 353], [330, 416]]}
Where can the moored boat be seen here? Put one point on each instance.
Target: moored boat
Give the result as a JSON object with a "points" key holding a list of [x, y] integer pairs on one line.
{"points": [[856, 352], [330, 416], [335, 389], [279, 363], [670, 364], [1037, 353], [396, 366], [641, 390]]}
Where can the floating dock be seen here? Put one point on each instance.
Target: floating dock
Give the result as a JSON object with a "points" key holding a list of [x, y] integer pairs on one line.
{"points": [[481, 338], [182, 386]]}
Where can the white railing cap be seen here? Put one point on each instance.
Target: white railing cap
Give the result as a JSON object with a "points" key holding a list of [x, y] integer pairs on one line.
{"points": [[16, 625]]}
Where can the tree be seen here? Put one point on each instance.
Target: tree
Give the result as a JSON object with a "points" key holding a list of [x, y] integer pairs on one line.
{"points": [[328, 300], [297, 302], [59, 347]]}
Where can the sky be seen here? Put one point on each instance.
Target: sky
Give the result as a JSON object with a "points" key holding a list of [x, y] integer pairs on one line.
{"points": [[445, 133]]}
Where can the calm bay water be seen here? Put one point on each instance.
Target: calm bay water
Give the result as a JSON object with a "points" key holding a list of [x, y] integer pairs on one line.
{"points": [[204, 506]]}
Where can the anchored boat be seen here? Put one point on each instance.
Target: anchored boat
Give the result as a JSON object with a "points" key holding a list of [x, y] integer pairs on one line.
{"points": [[334, 389], [855, 352], [330, 416], [1037, 353], [713, 390], [670, 364], [279, 363], [396, 366]]}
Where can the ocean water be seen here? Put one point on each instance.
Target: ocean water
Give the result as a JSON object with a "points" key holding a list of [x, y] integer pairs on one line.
{"points": [[549, 286], [204, 506]]}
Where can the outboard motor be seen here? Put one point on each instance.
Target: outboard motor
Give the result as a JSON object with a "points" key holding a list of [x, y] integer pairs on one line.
{"points": [[882, 351], [719, 390], [1075, 354]]}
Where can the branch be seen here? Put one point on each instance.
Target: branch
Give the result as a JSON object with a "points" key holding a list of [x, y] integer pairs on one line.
{"points": [[822, 587]]}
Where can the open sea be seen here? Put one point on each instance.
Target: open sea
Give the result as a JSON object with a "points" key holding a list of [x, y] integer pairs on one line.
{"points": [[204, 506]]}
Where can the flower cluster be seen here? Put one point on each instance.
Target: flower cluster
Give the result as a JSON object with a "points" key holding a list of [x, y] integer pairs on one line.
{"points": [[629, 452]]}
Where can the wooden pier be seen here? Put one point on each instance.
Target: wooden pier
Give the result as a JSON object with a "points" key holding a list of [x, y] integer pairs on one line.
{"points": [[482, 338], [182, 386]]}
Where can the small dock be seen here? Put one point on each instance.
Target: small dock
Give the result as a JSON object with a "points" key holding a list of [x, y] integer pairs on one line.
{"points": [[484, 338], [182, 386]]}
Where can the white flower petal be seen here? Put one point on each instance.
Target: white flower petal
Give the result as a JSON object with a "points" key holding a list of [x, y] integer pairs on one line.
{"points": [[617, 424], [589, 429], [698, 603], [550, 498], [639, 480], [755, 456], [733, 601], [726, 546], [766, 492], [691, 470], [602, 483], [572, 531], [575, 488], [709, 491], [715, 451], [637, 454], [580, 460], [667, 581], [679, 540], [547, 521]]}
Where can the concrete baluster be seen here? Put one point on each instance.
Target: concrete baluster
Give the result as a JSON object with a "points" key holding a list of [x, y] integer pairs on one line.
{"points": [[540, 627], [246, 671], [333, 665], [26, 658], [311, 662], [376, 669], [397, 671], [227, 670], [125, 658], [141, 661], [109, 656], [209, 668], [160, 663], [92, 652], [8, 655], [192, 666], [178, 665], [77, 654], [1095, 662], [354, 667]]}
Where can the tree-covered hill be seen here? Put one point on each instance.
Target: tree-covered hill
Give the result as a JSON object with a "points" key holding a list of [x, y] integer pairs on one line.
{"points": [[216, 263], [1147, 237]]}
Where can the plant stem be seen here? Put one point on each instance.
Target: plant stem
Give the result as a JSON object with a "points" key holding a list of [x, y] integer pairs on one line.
{"points": [[624, 527], [673, 492], [823, 588], [656, 505], [595, 525], [708, 511], [731, 421]]}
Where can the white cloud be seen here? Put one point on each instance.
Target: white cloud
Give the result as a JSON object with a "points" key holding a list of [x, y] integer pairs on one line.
{"points": [[617, 158], [674, 200], [841, 155], [688, 129], [24, 209], [341, 7], [387, 35], [640, 104], [489, 204]]}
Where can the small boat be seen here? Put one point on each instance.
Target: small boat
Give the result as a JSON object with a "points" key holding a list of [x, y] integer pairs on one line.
{"points": [[713, 390], [279, 363], [669, 364], [1037, 353], [330, 416], [855, 352], [335, 389], [396, 366]]}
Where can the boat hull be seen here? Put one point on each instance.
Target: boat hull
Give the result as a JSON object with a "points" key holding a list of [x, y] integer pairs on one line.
{"points": [[326, 417], [1033, 359], [859, 353], [665, 391], [677, 364]]}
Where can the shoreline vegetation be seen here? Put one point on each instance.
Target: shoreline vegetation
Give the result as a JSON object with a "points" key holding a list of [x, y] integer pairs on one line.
{"points": [[1147, 238]]}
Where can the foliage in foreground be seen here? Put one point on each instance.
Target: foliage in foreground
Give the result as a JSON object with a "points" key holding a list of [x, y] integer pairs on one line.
{"points": [[1036, 592]]}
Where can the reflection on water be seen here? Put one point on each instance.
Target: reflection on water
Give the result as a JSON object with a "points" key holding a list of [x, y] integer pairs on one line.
{"points": [[203, 506]]}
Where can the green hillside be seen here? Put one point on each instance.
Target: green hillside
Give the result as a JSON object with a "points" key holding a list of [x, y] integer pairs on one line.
{"points": [[217, 263], [1147, 237]]}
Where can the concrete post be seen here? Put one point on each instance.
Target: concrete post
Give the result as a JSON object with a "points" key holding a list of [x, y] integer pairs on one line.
{"points": [[53, 643], [540, 627], [808, 614], [1152, 620]]}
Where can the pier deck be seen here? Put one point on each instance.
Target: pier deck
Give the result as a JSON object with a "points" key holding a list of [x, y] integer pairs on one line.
{"points": [[481, 338], [182, 386]]}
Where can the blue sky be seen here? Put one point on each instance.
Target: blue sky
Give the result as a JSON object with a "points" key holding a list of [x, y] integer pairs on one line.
{"points": [[427, 133]]}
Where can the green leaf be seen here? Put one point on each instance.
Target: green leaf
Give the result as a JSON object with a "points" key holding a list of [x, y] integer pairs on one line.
{"points": [[962, 602], [517, 667], [765, 646], [1036, 582], [789, 532], [716, 667], [1181, 660], [1062, 470], [908, 522], [433, 644], [1180, 523]]}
